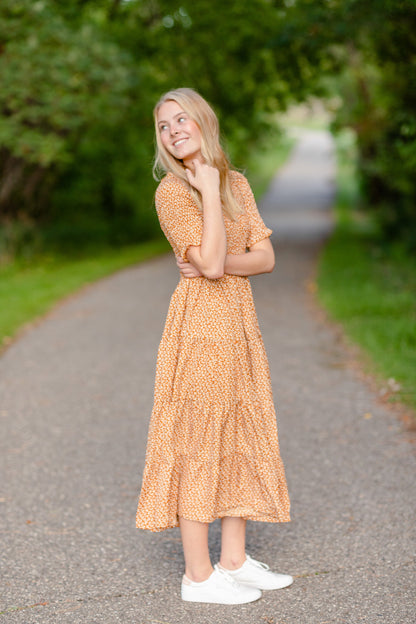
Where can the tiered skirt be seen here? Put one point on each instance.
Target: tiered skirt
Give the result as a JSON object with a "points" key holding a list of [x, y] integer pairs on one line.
{"points": [[213, 447]]}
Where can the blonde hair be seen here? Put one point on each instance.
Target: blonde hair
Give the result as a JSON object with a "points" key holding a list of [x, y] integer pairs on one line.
{"points": [[201, 112]]}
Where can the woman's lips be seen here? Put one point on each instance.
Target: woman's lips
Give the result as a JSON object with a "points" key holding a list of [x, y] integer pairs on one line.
{"points": [[179, 142]]}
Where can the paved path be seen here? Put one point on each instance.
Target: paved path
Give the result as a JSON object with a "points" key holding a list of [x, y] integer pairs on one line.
{"points": [[76, 395]]}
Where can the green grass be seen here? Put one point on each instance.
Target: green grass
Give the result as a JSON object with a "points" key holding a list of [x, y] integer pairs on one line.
{"points": [[371, 289], [27, 291]]}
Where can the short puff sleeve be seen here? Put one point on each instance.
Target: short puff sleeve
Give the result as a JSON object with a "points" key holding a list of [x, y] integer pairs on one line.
{"points": [[179, 215], [258, 230]]}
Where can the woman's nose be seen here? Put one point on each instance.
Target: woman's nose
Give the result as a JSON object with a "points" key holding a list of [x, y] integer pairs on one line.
{"points": [[174, 129]]}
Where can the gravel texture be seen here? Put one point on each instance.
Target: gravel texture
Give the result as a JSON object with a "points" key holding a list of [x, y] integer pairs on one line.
{"points": [[75, 401]]}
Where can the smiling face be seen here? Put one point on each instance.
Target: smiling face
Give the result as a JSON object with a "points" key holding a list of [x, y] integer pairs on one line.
{"points": [[179, 134]]}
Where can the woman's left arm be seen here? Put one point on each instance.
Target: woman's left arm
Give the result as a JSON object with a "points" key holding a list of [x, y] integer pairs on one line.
{"points": [[259, 259]]}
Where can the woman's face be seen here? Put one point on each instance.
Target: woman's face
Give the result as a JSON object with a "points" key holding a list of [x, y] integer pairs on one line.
{"points": [[180, 135]]}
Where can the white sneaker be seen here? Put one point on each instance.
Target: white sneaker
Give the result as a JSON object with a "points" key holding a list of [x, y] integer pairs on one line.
{"points": [[256, 574], [219, 588]]}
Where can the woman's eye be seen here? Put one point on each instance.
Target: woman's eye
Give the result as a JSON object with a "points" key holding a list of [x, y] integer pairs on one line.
{"points": [[163, 127], [181, 119]]}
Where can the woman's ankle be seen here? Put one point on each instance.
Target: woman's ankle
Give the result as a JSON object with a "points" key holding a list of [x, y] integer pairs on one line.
{"points": [[232, 563], [198, 575]]}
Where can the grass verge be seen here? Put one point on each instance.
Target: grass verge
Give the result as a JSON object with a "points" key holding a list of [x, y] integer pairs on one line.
{"points": [[28, 291], [370, 288]]}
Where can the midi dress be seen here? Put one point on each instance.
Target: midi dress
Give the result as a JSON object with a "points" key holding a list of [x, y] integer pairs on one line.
{"points": [[213, 448]]}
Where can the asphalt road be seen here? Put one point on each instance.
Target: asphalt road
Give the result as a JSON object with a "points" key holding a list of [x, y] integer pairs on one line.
{"points": [[75, 401]]}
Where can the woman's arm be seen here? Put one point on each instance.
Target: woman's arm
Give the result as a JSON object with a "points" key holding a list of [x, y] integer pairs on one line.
{"points": [[209, 257], [260, 259]]}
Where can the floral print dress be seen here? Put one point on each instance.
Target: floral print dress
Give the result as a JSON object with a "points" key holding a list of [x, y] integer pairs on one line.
{"points": [[213, 447]]}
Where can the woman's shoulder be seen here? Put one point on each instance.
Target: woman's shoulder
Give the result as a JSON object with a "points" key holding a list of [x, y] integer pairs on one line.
{"points": [[238, 180], [170, 181], [171, 187], [241, 186], [237, 177], [173, 194]]}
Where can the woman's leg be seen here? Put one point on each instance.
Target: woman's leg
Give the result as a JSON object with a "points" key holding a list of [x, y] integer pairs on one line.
{"points": [[233, 543], [195, 549]]}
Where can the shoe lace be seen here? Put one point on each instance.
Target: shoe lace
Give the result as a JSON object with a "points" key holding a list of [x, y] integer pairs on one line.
{"points": [[258, 564], [228, 578]]}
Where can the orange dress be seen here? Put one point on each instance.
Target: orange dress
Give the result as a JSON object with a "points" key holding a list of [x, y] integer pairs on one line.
{"points": [[213, 448]]}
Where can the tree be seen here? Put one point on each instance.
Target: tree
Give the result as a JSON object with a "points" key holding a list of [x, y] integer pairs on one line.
{"points": [[378, 93], [55, 83]]}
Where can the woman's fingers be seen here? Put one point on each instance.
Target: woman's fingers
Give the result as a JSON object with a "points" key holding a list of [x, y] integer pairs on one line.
{"points": [[186, 268], [190, 176], [181, 263], [204, 176]]}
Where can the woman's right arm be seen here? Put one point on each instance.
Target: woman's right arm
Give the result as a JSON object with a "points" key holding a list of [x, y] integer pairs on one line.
{"points": [[209, 257]]}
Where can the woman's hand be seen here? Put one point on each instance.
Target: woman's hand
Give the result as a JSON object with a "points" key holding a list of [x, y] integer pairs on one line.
{"points": [[204, 178], [186, 268]]}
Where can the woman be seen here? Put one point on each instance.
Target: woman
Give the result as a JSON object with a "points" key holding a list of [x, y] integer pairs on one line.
{"points": [[213, 449]]}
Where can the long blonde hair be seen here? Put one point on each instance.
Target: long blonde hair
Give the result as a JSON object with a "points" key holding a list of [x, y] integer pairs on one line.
{"points": [[201, 112]]}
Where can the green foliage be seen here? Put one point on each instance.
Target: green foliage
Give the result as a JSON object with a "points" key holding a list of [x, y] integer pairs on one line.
{"points": [[246, 58], [71, 131], [79, 81], [55, 82], [370, 287], [378, 89]]}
